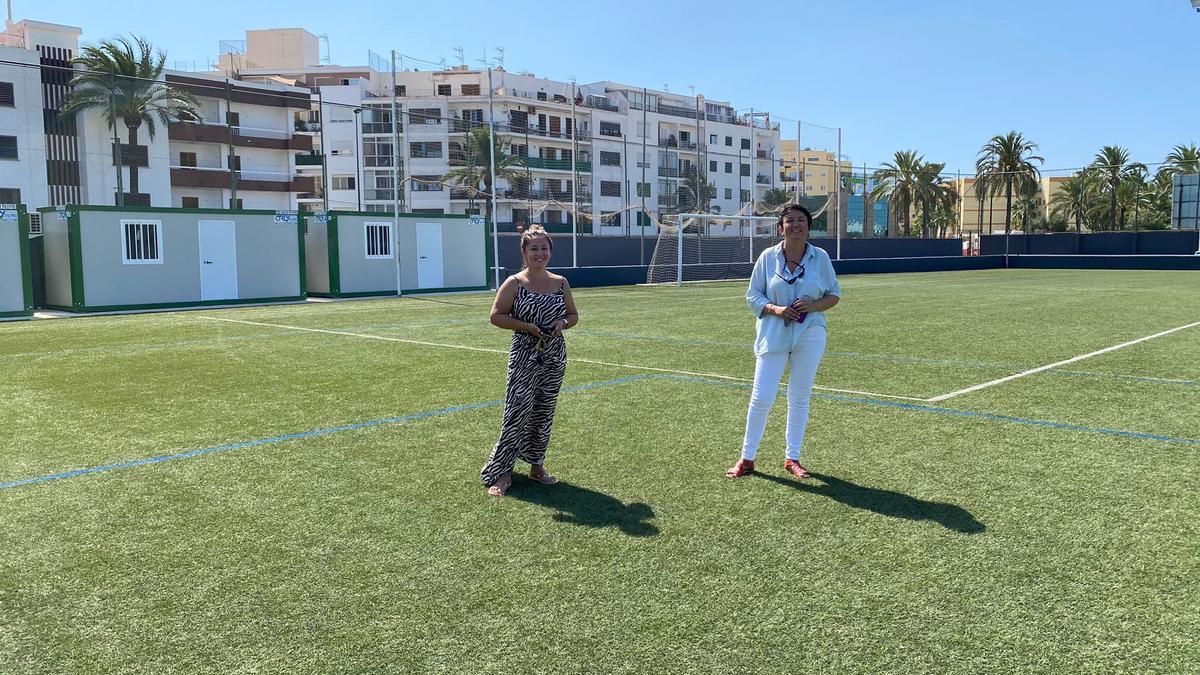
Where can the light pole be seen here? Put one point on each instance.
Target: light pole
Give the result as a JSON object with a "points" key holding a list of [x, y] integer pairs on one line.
{"points": [[357, 159]]}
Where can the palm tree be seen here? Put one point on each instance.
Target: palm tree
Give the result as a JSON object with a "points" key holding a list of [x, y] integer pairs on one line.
{"points": [[1008, 161], [695, 192], [897, 180], [120, 78], [1183, 159], [1075, 198], [773, 200], [478, 169], [935, 197], [1112, 165]]}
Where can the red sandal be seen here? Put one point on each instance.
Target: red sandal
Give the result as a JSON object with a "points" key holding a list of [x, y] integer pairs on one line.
{"points": [[793, 467], [743, 467]]}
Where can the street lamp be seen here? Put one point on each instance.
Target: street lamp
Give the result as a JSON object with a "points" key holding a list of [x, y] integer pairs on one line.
{"points": [[357, 159]]}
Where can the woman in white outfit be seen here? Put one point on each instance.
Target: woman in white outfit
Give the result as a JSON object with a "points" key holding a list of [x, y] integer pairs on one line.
{"points": [[792, 286]]}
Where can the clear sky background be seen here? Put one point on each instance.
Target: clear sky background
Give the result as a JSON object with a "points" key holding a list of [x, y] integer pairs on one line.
{"points": [[937, 76]]}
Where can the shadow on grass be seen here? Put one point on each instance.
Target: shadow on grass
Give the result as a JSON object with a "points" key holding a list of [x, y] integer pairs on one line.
{"points": [[580, 506], [885, 502]]}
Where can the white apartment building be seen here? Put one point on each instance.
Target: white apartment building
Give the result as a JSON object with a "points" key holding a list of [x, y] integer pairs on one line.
{"points": [[618, 145], [46, 160]]}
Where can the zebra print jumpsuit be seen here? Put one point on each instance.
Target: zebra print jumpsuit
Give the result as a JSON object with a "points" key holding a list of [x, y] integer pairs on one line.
{"points": [[535, 374]]}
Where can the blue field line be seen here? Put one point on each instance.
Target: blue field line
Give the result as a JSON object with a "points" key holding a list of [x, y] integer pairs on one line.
{"points": [[314, 433], [992, 417]]}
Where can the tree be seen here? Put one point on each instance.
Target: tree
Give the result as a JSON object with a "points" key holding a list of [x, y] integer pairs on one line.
{"points": [[695, 192], [1183, 159], [936, 199], [773, 200], [478, 170], [1075, 199], [1112, 165], [897, 180], [1008, 162], [120, 79]]}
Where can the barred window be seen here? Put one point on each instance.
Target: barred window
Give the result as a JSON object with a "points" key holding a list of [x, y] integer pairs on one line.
{"points": [[745, 143], [745, 169], [425, 116], [141, 242], [610, 158], [470, 90], [379, 240], [610, 188]]}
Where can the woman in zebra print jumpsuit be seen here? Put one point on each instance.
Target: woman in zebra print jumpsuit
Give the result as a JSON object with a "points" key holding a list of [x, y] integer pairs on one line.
{"points": [[537, 305]]}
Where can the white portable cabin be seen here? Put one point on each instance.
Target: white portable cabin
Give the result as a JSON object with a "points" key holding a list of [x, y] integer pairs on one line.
{"points": [[353, 253], [107, 258], [16, 284]]}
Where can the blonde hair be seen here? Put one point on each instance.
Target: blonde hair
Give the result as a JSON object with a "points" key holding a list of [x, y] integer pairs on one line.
{"points": [[535, 231]]}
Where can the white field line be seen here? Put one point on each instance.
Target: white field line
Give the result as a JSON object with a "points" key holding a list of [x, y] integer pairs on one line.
{"points": [[422, 343], [1051, 366]]}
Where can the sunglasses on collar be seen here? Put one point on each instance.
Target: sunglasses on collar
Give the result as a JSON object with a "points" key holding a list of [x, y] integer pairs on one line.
{"points": [[792, 276]]}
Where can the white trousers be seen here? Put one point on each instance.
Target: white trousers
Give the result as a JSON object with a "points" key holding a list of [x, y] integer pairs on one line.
{"points": [[767, 373]]}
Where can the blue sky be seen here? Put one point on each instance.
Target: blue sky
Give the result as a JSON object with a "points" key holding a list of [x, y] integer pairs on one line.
{"points": [[938, 76]]}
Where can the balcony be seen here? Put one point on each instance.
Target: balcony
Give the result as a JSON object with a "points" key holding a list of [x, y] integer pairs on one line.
{"points": [[465, 194], [309, 159], [582, 135], [375, 195], [674, 171], [458, 126], [220, 178], [245, 137], [762, 180], [545, 194], [673, 142], [601, 103], [669, 201], [556, 164], [676, 111]]}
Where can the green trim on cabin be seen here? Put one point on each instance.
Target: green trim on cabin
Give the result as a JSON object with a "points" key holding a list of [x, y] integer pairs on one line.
{"points": [[488, 278], [186, 305], [16, 315], [26, 267], [303, 289], [75, 246], [332, 252]]}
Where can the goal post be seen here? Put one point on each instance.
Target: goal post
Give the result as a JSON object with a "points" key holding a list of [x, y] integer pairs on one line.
{"points": [[709, 247]]}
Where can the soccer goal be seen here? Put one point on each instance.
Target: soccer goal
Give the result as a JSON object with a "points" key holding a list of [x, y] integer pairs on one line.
{"points": [[709, 247]]}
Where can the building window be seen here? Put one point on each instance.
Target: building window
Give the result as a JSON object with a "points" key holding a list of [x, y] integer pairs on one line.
{"points": [[10, 195], [610, 188], [140, 242], [728, 193], [712, 139], [235, 162], [745, 143], [745, 169], [233, 119], [470, 90], [610, 129], [235, 204], [426, 150], [610, 158], [376, 120], [343, 182], [426, 183], [187, 159], [443, 90], [728, 167], [643, 189], [189, 202], [712, 166], [729, 141], [378, 240], [424, 116], [8, 147], [745, 195], [377, 152], [401, 90], [7, 98]]}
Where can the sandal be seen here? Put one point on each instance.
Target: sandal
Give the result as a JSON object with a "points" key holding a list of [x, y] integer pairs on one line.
{"points": [[539, 475], [742, 468], [501, 486], [793, 467]]}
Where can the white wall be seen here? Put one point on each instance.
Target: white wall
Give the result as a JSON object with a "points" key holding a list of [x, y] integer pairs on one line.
{"points": [[27, 173]]}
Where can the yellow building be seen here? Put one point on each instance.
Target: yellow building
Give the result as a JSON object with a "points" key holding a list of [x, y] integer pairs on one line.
{"points": [[814, 171], [988, 216]]}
